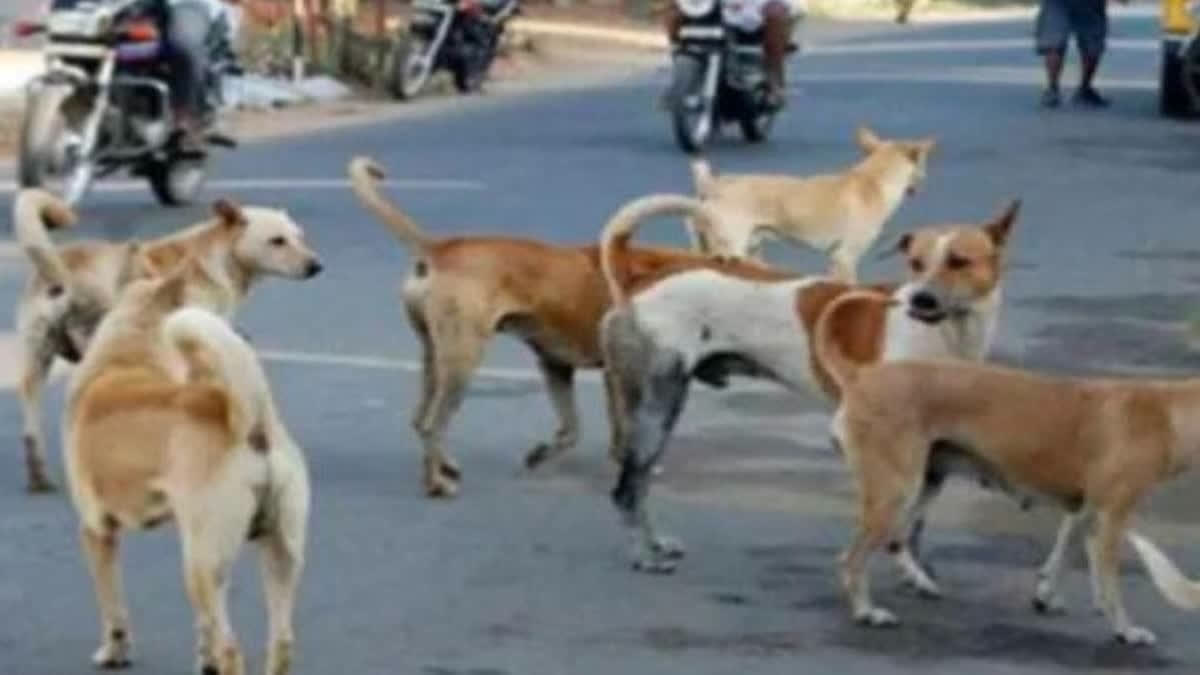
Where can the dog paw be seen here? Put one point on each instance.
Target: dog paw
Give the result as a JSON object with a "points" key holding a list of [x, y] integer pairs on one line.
{"points": [[113, 656], [441, 487], [876, 617], [669, 548], [1046, 601], [40, 485], [450, 469], [654, 564], [1135, 636], [924, 588], [541, 453]]}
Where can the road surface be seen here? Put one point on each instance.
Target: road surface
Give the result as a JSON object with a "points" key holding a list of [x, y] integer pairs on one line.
{"points": [[525, 574]]}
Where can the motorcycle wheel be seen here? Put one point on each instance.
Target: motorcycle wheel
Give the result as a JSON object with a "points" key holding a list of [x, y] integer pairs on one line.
{"points": [[411, 68], [756, 123], [469, 73], [691, 120], [176, 182], [46, 158]]}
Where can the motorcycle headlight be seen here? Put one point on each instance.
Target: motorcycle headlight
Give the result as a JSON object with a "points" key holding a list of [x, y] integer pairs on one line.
{"points": [[696, 8]]}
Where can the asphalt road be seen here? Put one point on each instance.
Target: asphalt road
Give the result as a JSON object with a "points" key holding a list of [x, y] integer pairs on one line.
{"points": [[525, 574]]}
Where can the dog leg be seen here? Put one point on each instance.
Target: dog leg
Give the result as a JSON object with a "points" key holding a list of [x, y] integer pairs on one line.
{"points": [[661, 402], [282, 563], [428, 384], [560, 382], [35, 368], [102, 550], [903, 551], [1046, 598], [1105, 557], [616, 416], [458, 353], [844, 262]]}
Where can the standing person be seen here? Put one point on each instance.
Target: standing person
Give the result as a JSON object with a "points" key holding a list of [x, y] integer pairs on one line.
{"points": [[1057, 20]]}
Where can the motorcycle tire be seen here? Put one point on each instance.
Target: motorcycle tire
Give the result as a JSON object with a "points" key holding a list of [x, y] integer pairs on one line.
{"points": [[176, 182], [41, 128], [692, 131], [408, 76], [756, 123]]}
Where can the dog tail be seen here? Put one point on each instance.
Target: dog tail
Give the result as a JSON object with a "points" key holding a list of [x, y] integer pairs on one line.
{"points": [[214, 352], [827, 345], [1175, 587], [365, 175], [35, 212], [614, 239], [704, 178]]}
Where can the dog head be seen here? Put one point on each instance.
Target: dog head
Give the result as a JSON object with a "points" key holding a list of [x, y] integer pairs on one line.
{"points": [[953, 267], [267, 241], [911, 153]]}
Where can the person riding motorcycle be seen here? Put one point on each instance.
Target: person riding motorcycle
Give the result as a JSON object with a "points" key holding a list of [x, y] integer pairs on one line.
{"points": [[776, 19], [189, 25]]}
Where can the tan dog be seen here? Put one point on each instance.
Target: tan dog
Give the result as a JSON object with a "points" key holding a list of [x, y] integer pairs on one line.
{"points": [[710, 324], [169, 416], [841, 213], [461, 291], [73, 286], [1094, 446]]}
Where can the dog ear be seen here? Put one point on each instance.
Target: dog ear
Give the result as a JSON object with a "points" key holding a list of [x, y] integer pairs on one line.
{"points": [[229, 212], [919, 150], [134, 265], [173, 287], [999, 228], [901, 246], [867, 140]]}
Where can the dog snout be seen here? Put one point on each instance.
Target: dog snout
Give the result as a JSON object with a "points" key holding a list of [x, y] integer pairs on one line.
{"points": [[924, 301], [313, 268]]}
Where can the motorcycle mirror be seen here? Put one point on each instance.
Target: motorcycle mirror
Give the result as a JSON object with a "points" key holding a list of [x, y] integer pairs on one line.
{"points": [[27, 28]]}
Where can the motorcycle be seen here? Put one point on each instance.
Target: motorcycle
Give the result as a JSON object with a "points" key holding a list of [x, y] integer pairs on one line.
{"points": [[103, 102], [718, 76], [461, 36]]}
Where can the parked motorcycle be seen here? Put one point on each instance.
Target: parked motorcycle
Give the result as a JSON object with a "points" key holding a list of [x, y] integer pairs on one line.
{"points": [[103, 102], [718, 77], [461, 36]]}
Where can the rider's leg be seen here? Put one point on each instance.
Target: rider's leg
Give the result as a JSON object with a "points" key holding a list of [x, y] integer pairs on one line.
{"points": [[672, 20], [777, 34], [187, 33]]}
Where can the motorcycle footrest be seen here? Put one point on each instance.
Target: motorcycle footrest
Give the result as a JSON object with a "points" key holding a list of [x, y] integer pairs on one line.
{"points": [[221, 140]]}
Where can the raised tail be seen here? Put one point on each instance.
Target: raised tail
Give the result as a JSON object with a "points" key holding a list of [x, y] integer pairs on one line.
{"points": [[1175, 587], [35, 212], [827, 345], [614, 239], [365, 175], [704, 178], [213, 350]]}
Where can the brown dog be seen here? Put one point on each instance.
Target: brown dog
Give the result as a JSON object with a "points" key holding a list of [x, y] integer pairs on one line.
{"points": [[1094, 446], [73, 286], [461, 291], [169, 416]]}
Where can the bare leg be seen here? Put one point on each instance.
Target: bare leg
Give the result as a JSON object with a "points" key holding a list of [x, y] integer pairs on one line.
{"points": [[777, 33], [559, 379], [1053, 61], [116, 643]]}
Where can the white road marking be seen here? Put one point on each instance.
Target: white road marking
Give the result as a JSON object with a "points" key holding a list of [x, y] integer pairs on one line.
{"points": [[284, 184], [405, 365], [960, 46]]}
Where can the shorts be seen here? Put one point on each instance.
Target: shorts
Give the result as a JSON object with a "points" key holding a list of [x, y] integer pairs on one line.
{"points": [[1057, 20], [747, 14]]}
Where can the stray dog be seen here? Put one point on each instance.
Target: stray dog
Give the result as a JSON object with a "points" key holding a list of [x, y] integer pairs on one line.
{"points": [[840, 213], [169, 416], [72, 287], [1094, 446], [711, 324], [461, 291]]}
